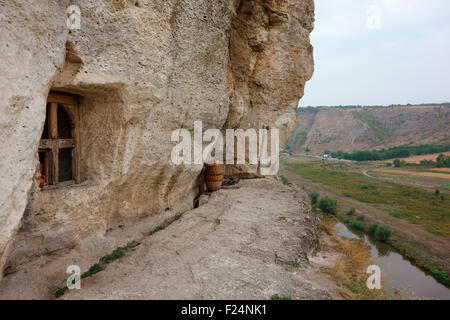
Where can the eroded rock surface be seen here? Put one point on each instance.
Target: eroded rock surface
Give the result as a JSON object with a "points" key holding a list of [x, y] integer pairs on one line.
{"points": [[141, 69]]}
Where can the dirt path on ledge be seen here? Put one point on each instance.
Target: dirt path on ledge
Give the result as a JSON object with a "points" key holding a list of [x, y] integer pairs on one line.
{"points": [[241, 244]]}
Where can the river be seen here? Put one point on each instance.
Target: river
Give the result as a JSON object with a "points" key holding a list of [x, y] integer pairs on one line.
{"points": [[397, 273]]}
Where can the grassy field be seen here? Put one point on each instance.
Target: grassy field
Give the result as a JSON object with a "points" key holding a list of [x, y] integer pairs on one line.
{"points": [[414, 204], [417, 159], [429, 179]]}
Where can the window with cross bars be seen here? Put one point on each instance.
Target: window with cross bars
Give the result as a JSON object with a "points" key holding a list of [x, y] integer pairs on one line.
{"points": [[59, 148]]}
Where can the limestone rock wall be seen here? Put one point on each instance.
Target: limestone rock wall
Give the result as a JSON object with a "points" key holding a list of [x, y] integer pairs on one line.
{"points": [[142, 69], [271, 58], [31, 49]]}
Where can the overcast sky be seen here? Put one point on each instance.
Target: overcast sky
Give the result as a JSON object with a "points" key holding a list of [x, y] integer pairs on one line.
{"points": [[380, 52]]}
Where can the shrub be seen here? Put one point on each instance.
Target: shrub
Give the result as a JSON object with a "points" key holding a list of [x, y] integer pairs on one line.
{"points": [[284, 180], [440, 276], [296, 263], [372, 228], [397, 163], [96, 268], [383, 233], [361, 217], [60, 292], [428, 163], [437, 192], [347, 220], [314, 196], [328, 205], [277, 297], [351, 212], [357, 225]]}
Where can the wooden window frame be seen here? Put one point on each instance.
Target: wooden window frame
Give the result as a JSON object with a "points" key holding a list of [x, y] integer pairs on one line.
{"points": [[53, 144]]}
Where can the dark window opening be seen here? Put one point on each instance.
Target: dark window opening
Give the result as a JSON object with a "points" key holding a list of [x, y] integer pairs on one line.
{"points": [[64, 124], [59, 148], [65, 165]]}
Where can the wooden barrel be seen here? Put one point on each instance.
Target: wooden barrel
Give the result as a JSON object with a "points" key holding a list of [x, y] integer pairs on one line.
{"points": [[213, 177]]}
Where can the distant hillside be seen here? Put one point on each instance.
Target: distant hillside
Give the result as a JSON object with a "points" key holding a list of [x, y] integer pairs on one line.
{"points": [[369, 128]]}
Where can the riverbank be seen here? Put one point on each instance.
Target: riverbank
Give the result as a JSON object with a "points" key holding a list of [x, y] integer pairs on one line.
{"points": [[400, 278], [350, 268]]}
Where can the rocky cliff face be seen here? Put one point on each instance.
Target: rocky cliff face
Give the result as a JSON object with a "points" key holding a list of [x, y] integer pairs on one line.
{"points": [[348, 129], [141, 69]]}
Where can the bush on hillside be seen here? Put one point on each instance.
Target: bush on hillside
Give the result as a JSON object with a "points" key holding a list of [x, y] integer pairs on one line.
{"points": [[372, 228], [357, 225], [328, 205], [314, 196]]}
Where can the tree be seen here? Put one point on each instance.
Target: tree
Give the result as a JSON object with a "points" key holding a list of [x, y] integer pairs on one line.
{"points": [[443, 161], [397, 163]]}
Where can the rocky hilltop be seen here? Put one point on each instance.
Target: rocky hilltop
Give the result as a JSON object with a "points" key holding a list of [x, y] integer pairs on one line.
{"points": [[139, 70], [347, 129]]}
